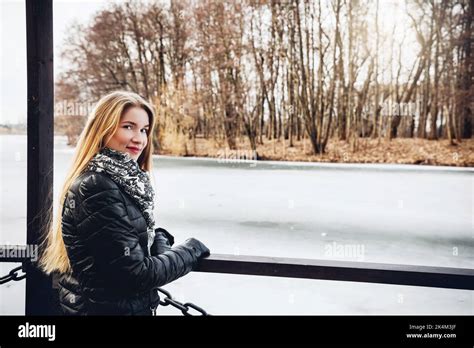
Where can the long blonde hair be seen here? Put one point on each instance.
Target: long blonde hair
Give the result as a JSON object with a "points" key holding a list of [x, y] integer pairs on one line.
{"points": [[101, 126]]}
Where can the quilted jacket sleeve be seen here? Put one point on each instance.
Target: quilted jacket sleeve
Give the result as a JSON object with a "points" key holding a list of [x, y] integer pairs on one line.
{"points": [[109, 236]]}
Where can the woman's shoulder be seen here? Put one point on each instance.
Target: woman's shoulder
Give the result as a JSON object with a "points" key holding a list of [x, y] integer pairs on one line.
{"points": [[91, 182]]}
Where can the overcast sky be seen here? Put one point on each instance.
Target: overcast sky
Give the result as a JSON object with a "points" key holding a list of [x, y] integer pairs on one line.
{"points": [[13, 48]]}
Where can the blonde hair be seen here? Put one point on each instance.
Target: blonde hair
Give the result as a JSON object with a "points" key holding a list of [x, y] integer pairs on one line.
{"points": [[101, 126]]}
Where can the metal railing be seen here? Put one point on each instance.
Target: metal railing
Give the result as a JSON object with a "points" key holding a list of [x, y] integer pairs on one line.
{"points": [[367, 272]]}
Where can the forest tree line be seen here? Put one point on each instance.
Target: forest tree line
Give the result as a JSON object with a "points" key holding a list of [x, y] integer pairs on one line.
{"points": [[284, 70]]}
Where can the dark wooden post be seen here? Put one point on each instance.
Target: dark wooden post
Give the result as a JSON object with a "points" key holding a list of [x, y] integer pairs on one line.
{"points": [[39, 37]]}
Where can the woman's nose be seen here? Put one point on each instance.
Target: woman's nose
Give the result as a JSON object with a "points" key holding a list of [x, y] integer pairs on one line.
{"points": [[137, 138]]}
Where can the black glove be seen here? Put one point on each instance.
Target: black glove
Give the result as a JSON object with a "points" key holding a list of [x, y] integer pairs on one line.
{"points": [[199, 248], [167, 234]]}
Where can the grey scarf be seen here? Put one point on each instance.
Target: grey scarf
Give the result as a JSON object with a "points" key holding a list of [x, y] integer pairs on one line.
{"points": [[128, 175]]}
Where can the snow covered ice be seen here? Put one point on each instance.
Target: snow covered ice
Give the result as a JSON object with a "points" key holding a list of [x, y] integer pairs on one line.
{"points": [[383, 213]]}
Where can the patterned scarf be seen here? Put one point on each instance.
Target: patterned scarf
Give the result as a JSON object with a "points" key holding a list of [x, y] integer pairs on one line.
{"points": [[128, 175]]}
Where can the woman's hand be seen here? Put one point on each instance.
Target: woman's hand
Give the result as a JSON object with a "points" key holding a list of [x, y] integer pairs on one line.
{"points": [[167, 234], [163, 241], [199, 248]]}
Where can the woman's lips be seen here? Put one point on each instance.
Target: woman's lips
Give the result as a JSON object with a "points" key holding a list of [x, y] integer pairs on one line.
{"points": [[134, 149]]}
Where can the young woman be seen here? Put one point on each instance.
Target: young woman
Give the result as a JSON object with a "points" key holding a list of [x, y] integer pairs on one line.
{"points": [[104, 244]]}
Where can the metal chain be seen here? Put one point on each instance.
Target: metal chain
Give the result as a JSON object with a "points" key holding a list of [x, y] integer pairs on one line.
{"points": [[13, 275], [184, 308]]}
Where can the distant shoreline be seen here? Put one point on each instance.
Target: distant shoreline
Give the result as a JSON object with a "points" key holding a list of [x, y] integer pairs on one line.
{"points": [[420, 152], [406, 151], [7, 131]]}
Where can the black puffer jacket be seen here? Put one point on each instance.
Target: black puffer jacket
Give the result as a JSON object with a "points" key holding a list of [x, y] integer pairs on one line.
{"points": [[106, 242]]}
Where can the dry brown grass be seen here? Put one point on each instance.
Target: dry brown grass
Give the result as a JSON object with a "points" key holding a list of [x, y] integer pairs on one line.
{"points": [[400, 151]]}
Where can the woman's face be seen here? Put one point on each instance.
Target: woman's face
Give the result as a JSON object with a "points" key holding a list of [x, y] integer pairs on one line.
{"points": [[131, 135]]}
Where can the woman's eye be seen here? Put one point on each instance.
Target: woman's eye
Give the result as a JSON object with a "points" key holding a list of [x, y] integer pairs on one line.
{"points": [[128, 126], [145, 130]]}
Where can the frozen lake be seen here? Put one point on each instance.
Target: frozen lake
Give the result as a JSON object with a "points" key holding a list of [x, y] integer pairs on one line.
{"points": [[382, 213]]}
